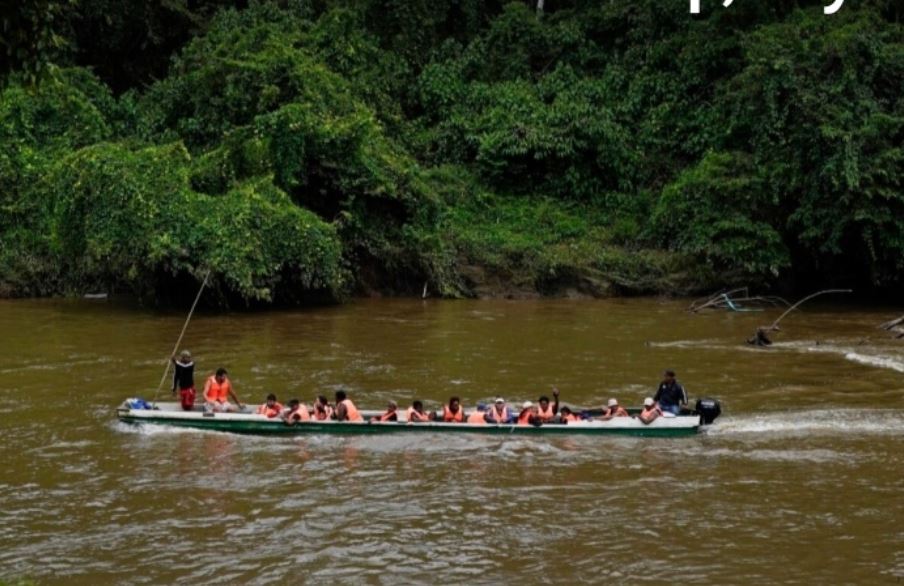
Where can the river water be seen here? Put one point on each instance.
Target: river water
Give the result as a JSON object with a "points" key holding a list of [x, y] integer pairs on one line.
{"points": [[801, 481]]}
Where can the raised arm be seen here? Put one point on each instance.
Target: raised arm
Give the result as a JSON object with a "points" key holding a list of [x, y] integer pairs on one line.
{"points": [[555, 405]]}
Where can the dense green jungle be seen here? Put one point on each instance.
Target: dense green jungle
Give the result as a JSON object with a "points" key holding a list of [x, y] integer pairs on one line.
{"points": [[314, 150]]}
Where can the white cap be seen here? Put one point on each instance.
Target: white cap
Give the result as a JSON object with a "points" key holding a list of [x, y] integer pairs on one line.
{"points": [[613, 402], [527, 405], [648, 402], [499, 400]]}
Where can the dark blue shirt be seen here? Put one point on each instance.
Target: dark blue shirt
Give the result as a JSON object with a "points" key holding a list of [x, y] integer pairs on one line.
{"points": [[670, 394]]}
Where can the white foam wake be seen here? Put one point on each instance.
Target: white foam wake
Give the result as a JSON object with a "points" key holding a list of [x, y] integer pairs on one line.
{"points": [[878, 361], [815, 422]]}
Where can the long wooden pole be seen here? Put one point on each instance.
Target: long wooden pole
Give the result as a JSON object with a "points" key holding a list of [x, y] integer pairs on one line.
{"points": [[179, 341]]}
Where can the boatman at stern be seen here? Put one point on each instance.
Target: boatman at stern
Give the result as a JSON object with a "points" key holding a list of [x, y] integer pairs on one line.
{"points": [[670, 396], [217, 392]]}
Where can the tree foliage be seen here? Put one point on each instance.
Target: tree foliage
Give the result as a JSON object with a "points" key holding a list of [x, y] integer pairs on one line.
{"points": [[300, 148]]}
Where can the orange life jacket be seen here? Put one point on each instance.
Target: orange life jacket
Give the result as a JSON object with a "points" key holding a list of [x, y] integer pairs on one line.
{"points": [[351, 412], [415, 417], [524, 417], [500, 417], [457, 417], [271, 412], [570, 417], [477, 417], [303, 413], [546, 415], [322, 412], [217, 392]]}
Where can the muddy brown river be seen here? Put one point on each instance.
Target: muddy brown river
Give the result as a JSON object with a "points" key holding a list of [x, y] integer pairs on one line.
{"points": [[800, 482]]}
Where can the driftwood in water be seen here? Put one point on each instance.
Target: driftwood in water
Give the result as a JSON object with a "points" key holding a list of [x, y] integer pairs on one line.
{"points": [[734, 300], [895, 326], [761, 336], [890, 325]]}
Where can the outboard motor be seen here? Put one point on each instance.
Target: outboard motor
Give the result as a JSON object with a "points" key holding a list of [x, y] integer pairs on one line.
{"points": [[708, 409]]}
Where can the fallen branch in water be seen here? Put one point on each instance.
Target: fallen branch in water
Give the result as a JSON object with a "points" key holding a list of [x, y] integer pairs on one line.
{"points": [[727, 300], [890, 325], [895, 326], [761, 336]]}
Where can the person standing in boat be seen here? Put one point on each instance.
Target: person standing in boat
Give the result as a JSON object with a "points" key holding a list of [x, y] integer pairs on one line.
{"points": [[453, 413], [322, 409], [545, 412], [613, 409], [670, 396], [345, 409], [184, 379], [218, 391], [499, 413], [650, 411]]}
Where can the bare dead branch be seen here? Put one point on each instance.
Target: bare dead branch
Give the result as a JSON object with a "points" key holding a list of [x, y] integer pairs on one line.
{"points": [[774, 325], [890, 325]]}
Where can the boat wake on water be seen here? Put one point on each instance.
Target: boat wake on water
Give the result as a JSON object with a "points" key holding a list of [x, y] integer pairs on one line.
{"points": [[827, 422], [866, 355], [878, 361]]}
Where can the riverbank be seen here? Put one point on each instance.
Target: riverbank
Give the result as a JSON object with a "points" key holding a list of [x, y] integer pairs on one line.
{"points": [[309, 153]]}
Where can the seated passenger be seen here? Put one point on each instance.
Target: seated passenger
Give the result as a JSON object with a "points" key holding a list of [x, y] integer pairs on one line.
{"points": [[530, 414], [322, 409], [297, 413], [499, 413], [544, 410], [271, 408], [218, 391], [478, 415], [391, 414], [650, 411], [345, 409], [416, 414], [613, 409], [453, 413], [568, 416]]}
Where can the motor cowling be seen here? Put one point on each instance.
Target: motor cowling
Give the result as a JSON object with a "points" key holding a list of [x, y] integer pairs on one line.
{"points": [[708, 409]]}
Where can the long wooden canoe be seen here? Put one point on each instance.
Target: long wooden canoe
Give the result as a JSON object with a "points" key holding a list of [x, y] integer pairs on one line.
{"points": [[171, 414]]}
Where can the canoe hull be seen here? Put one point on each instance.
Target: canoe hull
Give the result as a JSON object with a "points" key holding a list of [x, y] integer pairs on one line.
{"points": [[241, 423]]}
